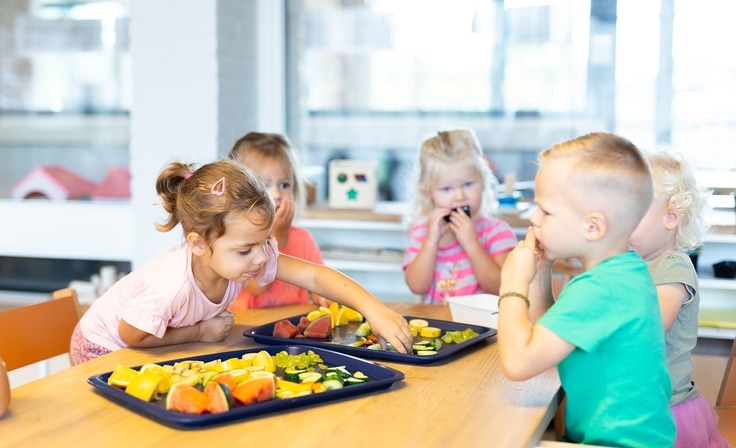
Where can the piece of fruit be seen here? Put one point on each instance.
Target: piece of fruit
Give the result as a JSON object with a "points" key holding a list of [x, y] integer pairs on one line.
{"points": [[144, 385], [313, 314], [164, 385], [219, 397], [231, 364], [342, 318], [284, 329], [225, 378], [185, 398], [122, 376], [297, 389], [263, 359], [247, 360], [240, 375], [430, 332], [319, 328], [352, 315], [363, 330], [418, 323], [255, 390]]}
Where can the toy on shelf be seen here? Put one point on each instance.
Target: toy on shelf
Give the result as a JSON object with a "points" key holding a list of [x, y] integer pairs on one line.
{"points": [[353, 184], [52, 182], [115, 185]]}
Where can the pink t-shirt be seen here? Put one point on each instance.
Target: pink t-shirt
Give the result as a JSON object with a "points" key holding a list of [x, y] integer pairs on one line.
{"points": [[301, 245], [160, 294], [452, 263]]}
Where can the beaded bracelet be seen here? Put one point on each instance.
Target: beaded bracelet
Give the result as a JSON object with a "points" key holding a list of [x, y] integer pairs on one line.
{"points": [[513, 294]]}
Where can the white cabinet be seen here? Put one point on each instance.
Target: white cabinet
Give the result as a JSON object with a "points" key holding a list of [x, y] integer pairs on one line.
{"points": [[717, 295]]}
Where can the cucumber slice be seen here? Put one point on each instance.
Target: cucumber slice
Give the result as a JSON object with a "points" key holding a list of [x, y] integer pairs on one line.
{"points": [[332, 383], [426, 352], [340, 370], [353, 380], [292, 374]]}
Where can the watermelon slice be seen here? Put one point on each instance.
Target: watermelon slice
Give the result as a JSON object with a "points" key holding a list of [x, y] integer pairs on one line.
{"points": [[284, 329], [320, 327]]}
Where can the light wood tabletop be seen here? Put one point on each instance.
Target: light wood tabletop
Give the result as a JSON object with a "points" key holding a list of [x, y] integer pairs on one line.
{"points": [[460, 401]]}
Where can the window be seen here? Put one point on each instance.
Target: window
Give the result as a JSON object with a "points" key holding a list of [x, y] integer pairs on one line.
{"points": [[65, 88], [371, 79]]}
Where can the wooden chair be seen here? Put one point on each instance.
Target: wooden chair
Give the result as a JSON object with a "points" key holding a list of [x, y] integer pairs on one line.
{"points": [[726, 401], [37, 332]]}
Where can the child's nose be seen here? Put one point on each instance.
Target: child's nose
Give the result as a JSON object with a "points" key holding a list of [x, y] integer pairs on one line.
{"points": [[274, 192], [534, 218]]}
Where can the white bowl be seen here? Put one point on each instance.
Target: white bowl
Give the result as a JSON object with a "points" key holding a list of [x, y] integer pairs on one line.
{"points": [[476, 309]]}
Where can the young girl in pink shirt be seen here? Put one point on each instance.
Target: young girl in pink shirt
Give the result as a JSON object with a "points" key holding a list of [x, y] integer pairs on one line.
{"points": [[183, 294], [451, 251]]}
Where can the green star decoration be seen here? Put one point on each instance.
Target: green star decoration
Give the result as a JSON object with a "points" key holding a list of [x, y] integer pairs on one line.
{"points": [[352, 194]]}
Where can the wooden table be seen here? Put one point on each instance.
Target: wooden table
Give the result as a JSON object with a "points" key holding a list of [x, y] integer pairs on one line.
{"points": [[462, 401]]}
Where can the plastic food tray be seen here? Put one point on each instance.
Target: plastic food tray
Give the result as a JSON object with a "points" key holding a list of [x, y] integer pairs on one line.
{"points": [[380, 377], [345, 334]]}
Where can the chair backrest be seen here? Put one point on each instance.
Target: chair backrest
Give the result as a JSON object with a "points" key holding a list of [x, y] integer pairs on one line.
{"points": [[727, 395], [37, 332]]}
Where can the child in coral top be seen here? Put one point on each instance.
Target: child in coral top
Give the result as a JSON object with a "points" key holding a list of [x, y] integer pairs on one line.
{"points": [[271, 157]]}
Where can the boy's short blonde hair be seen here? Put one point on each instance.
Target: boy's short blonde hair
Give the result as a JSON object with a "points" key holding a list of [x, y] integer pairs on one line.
{"points": [[610, 175]]}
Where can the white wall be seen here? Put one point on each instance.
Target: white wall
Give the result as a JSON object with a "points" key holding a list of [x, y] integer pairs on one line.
{"points": [[204, 73]]}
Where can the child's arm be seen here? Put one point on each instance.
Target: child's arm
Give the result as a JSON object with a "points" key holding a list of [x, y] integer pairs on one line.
{"points": [[671, 297], [319, 300], [211, 330], [338, 287], [525, 349], [419, 275]]}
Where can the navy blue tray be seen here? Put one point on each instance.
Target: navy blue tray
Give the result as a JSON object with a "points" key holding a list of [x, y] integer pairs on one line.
{"points": [[380, 377], [345, 334]]}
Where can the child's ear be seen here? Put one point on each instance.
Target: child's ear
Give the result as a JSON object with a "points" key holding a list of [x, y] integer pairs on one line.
{"points": [[595, 226], [671, 219], [196, 243]]}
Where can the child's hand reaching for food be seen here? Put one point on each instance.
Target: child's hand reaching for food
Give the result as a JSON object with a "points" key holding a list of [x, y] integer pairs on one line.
{"points": [[391, 327]]}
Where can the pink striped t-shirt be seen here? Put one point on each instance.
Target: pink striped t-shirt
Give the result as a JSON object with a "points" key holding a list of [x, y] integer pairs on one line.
{"points": [[452, 262]]}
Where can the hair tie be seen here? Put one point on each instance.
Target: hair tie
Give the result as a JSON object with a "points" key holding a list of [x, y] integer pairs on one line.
{"points": [[188, 175], [218, 191]]}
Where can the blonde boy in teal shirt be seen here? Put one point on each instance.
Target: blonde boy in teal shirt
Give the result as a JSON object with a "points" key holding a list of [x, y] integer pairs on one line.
{"points": [[605, 330]]}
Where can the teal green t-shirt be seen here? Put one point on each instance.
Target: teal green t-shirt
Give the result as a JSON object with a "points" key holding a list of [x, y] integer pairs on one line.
{"points": [[616, 379]]}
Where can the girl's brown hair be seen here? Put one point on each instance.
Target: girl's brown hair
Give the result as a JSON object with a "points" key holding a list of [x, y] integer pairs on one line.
{"points": [[202, 199], [255, 147]]}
